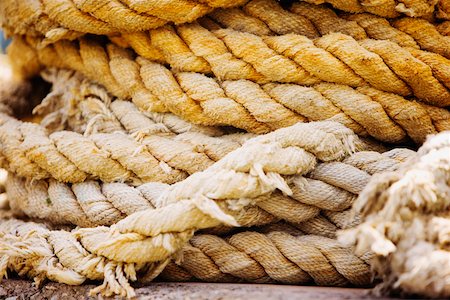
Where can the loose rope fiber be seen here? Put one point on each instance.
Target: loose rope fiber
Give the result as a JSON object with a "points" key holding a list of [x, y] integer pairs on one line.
{"points": [[405, 222], [255, 107]]}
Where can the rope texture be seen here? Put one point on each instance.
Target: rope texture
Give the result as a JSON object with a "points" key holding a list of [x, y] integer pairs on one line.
{"points": [[239, 179], [70, 18], [256, 107], [405, 222], [59, 19], [387, 8]]}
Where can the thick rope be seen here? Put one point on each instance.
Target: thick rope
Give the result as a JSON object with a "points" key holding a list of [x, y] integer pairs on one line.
{"points": [[331, 187], [235, 55], [405, 222], [236, 181], [81, 205], [386, 8], [274, 256], [68, 18], [202, 100]]}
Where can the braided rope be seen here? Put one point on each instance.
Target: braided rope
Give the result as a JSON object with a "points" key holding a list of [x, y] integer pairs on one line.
{"points": [[412, 255], [202, 100]]}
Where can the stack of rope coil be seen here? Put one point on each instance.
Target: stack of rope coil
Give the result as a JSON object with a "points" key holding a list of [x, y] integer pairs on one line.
{"points": [[220, 141]]}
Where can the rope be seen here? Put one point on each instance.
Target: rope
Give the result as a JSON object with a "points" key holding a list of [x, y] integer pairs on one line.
{"points": [[385, 8], [443, 11], [331, 187], [69, 18], [275, 256], [405, 222], [201, 100], [161, 232], [444, 28]]}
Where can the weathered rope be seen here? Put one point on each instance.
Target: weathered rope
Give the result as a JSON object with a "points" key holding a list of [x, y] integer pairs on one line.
{"points": [[229, 57], [68, 18], [90, 203], [386, 8], [277, 255], [405, 222], [256, 108], [407, 32], [331, 187], [273, 256], [205, 199]]}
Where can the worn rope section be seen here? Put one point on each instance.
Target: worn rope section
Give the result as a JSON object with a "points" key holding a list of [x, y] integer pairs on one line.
{"points": [[275, 254], [329, 190], [261, 17], [405, 222], [233, 55], [68, 18], [239, 179], [110, 203], [386, 8], [202, 100]]}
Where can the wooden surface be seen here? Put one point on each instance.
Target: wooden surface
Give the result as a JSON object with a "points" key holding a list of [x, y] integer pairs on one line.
{"points": [[22, 289]]}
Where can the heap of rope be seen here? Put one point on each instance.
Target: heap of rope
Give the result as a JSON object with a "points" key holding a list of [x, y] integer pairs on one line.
{"points": [[405, 222], [156, 180]]}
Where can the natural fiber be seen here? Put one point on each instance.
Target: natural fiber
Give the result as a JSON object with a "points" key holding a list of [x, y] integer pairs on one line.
{"points": [[386, 8], [405, 216], [150, 174], [160, 232], [69, 18], [256, 108]]}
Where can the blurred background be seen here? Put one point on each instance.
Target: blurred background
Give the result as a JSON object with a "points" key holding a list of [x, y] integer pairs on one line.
{"points": [[3, 42]]}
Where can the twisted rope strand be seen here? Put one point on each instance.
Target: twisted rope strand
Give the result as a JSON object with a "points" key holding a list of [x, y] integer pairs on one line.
{"points": [[174, 47], [107, 203], [189, 89], [69, 18], [384, 8]]}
